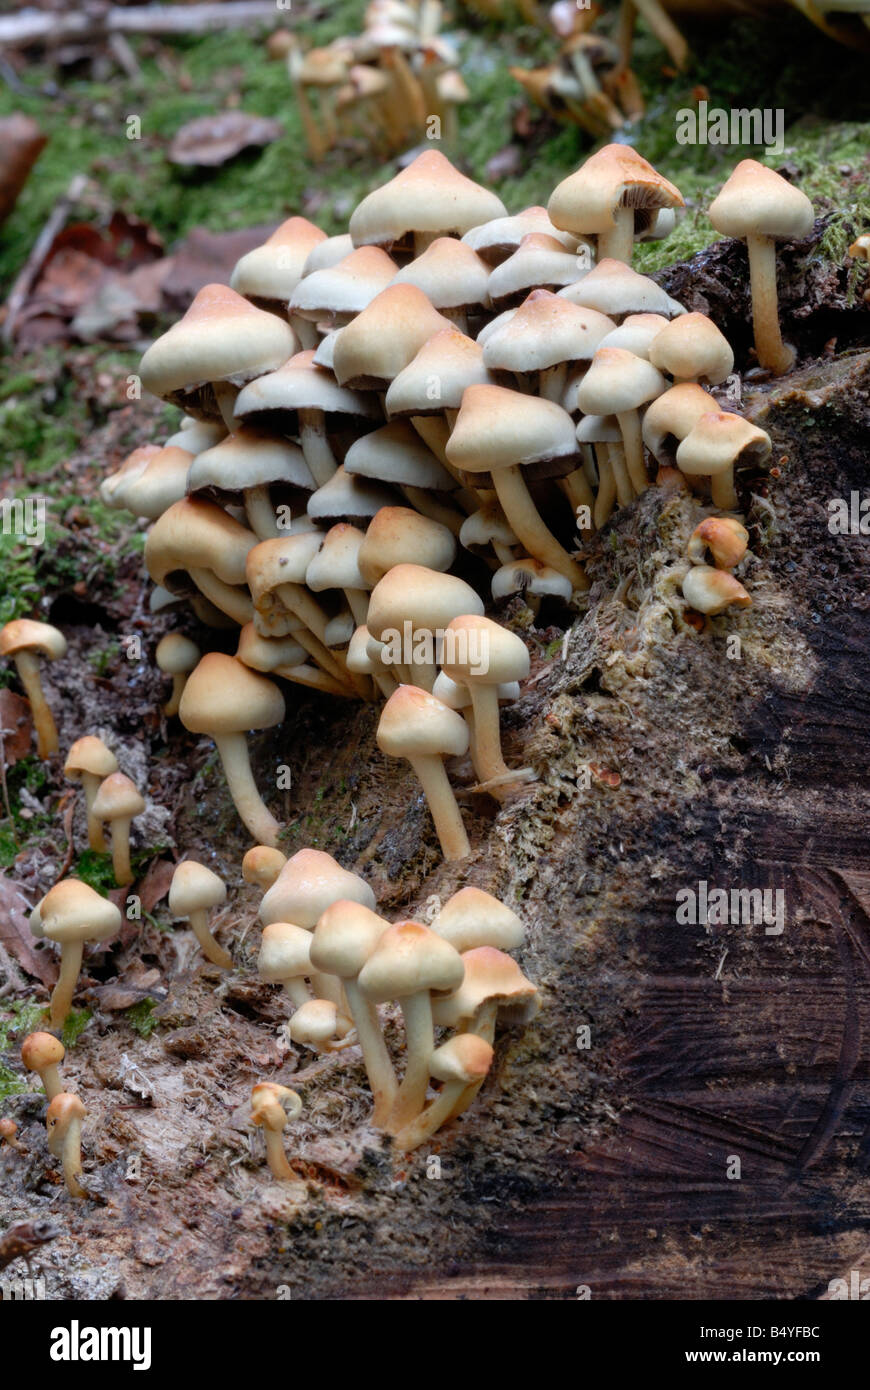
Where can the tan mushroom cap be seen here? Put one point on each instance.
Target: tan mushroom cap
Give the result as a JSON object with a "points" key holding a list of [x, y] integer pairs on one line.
{"points": [[90, 754], [718, 441], [756, 201], [499, 238], [112, 487], [464, 1059], [598, 429], [300, 384], [27, 635], [416, 724], [614, 177], [672, 415], [318, 1022], [262, 864], [283, 560], [457, 695], [195, 888], [41, 1050], [425, 598], [273, 1106], [345, 288], [617, 381], [435, 379], [160, 483], [637, 332], [532, 576], [373, 348], [59, 1116], [195, 534], [490, 974], [285, 952], [615, 289], [539, 260], [472, 918], [498, 428], [308, 884], [196, 435], [724, 536], [450, 274], [398, 535], [345, 936], [328, 252], [175, 655], [485, 526], [248, 458], [117, 799], [692, 347], [273, 270], [711, 591], [348, 495], [428, 196], [336, 564], [269, 653], [73, 911], [409, 958], [224, 697], [503, 654], [221, 338], [544, 331], [395, 454]]}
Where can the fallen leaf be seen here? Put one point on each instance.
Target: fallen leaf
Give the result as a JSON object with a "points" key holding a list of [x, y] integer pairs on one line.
{"points": [[212, 140], [17, 937], [206, 258], [119, 301], [21, 144], [16, 726], [156, 883]]}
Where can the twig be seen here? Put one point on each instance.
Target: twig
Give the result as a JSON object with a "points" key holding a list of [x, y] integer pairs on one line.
{"points": [[35, 26], [41, 247]]}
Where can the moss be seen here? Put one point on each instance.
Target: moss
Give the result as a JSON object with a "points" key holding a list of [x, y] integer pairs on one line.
{"points": [[75, 1024], [95, 870], [141, 1017]]}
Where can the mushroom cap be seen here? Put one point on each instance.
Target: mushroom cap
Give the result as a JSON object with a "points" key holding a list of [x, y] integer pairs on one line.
{"points": [[261, 865], [458, 696], [498, 238], [195, 435], [112, 487], [718, 441], [273, 1106], [347, 495], [339, 630], [372, 349], [195, 888], [41, 1050], [618, 381], [724, 536], [221, 338], [756, 201], [268, 653], [345, 288], [502, 654], [425, 598], [344, 938], [414, 724], [709, 590], [538, 261], [176, 654], [27, 635], [307, 885], [285, 952], [273, 270], [328, 252], [637, 332], [472, 918], [598, 429], [63, 1110], [464, 1059], [89, 754], [408, 959], [672, 415], [692, 346], [427, 196], [395, 454], [450, 274], [487, 524], [614, 177], [282, 560], [357, 656], [544, 331], [302, 384], [316, 1022], [490, 974], [248, 458], [398, 535], [437, 376], [73, 911], [336, 564], [528, 574], [616, 290], [194, 534], [117, 798], [163, 481], [497, 428], [223, 697]]}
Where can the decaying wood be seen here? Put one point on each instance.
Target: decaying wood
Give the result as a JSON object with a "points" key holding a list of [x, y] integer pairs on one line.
{"points": [[37, 27]]}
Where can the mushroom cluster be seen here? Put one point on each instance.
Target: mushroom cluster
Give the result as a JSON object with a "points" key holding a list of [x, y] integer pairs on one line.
{"points": [[388, 429]]}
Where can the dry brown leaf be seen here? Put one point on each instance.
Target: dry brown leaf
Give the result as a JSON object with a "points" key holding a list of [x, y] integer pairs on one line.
{"points": [[16, 726], [21, 143], [17, 937], [212, 140], [205, 258], [155, 884]]}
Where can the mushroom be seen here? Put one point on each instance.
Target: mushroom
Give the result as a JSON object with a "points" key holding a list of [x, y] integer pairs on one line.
{"points": [[251, 469], [637, 333], [198, 539], [268, 275], [498, 238], [25, 641], [723, 536], [308, 884], [63, 1123], [543, 337], [375, 346], [414, 603], [711, 591], [283, 656], [117, 801], [482, 655], [540, 262], [363, 664], [416, 726], [717, 443], [397, 536], [427, 199], [396, 455], [193, 892], [319, 1024], [152, 490], [614, 195], [618, 383], [493, 985], [176, 656], [691, 348], [272, 1108], [285, 959], [407, 963], [616, 290], [761, 207], [8, 1131], [531, 579], [43, 1053], [344, 938], [261, 866], [671, 416], [90, 762], [71, 913], [428, 391], [461, 1063], [223, 699], [472, 918], [453, 278], [276, 573]]}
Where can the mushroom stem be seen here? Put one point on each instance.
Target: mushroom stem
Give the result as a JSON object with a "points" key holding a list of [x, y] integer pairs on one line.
{"points": [[70, 966], [420, 1044], [488, 760], [326, 987], [579, 493], [632, 442], [233, 601], [426, 505], [378, 1065], [261, 513], [527, 524], [276, 1156], [27, 665], [315, 446], [179, 681], [772, 352], [664, 29], [432, 1118], [606, 495], [210, 949], [442, 804], [250, 805], [50, 1077], [617, 243], [723, 491], [225, 394], [91, 785], [297, 991], [358, 602], [315, 678], [624, 489], [121, 851], [299, 601], [71, 1158], [551, 382]]}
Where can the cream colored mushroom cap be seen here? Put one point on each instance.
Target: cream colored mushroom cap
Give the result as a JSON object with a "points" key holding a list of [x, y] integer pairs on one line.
{"points": [[395, 454], [195, 888], [222, 696], [89, 754], [160, 483], [756, 201], [439, 373], [308, 884], [692, 346], [538, 260], [503, 655], [637, 332], [249, 458], [269, 653], [336, 564], [450, 274], [195, 534], [273, 1106], [719, 440], [614, 177], [316, 1022], [376, 345], [72, 911], [672, 414], [528, 574], [349, 495], [344, 938], [544, 331], [423, 597], [711, 591], [328, 252], [415, 724], [472, 918], [262, 864], [408, 959], [490, 974], [428, 196], [344, 288], [273, 270], [618, 381], [463, 1059], [301, 384], [27, 635], [496, 239], [285, 952], [117, 799], [176, 654], [615, 289], [398, 535], [498, 428]]}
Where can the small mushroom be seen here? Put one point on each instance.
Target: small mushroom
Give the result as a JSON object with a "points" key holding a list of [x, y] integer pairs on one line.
{"points": [[711, 591], [482, 655], [319, 1024], [25, 641], [176, 656], [460, 1063], [71, 913], [618, 383], [416, 726], [261, 866], [614, 196], [285, 959], [118, 801], [193, 892], [724, 537], [472, 918], [43, 1053], [716, 444], [272, 1108], [90, 762], [63, 1122], [691, 348], [8, 1131]]}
